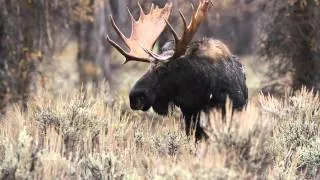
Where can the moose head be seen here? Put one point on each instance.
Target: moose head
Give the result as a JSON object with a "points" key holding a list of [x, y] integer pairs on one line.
{"points": [[193, 76]]}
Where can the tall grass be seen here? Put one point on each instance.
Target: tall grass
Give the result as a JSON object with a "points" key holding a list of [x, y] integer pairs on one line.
{"points": [[82, 136]]}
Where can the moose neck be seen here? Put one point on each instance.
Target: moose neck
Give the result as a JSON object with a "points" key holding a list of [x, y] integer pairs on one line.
{"points": [[194, 81]]}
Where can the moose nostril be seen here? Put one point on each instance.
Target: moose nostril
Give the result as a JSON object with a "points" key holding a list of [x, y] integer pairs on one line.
{"points": [[135, 104]]}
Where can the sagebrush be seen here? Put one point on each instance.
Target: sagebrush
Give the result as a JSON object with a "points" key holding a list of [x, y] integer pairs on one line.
{"points": [[81, 136]]}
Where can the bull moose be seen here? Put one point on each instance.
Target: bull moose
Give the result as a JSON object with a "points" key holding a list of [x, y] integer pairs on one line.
{"points": [[194, 76]]}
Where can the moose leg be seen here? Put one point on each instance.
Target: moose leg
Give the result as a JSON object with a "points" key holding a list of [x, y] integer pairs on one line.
{"points": [[188, 124], [200, 134], [192, 122]]}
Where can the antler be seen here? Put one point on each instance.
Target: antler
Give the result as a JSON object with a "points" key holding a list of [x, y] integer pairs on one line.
{"points": [[181, 44], [144, 33]]}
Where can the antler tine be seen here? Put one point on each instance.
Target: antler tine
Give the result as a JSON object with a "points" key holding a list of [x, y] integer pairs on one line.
{"points": [[188, 30], [125, 54], [183, 20], [192, 7], [157, 58], [145, 31], [119, 48], [131, 16], [151, 8], [174, 33], [116, 28], [141, 10]]}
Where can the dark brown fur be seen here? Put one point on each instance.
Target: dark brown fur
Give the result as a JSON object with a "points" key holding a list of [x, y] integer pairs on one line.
{"points": [[199, 80]]}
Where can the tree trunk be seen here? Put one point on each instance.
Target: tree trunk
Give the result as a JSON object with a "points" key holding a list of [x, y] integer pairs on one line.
{"points": [[93, 59], [18, 34], [304, 61]]}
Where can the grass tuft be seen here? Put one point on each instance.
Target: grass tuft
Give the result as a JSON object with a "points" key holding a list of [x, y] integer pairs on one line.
{"points": [[80, 136]]}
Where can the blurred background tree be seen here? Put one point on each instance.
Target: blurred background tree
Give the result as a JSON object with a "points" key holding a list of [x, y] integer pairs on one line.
{"points": [[291, 41], [21, 43]]}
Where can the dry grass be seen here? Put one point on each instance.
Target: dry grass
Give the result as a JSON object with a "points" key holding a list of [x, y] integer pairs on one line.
{"points": [[80, 136]]}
